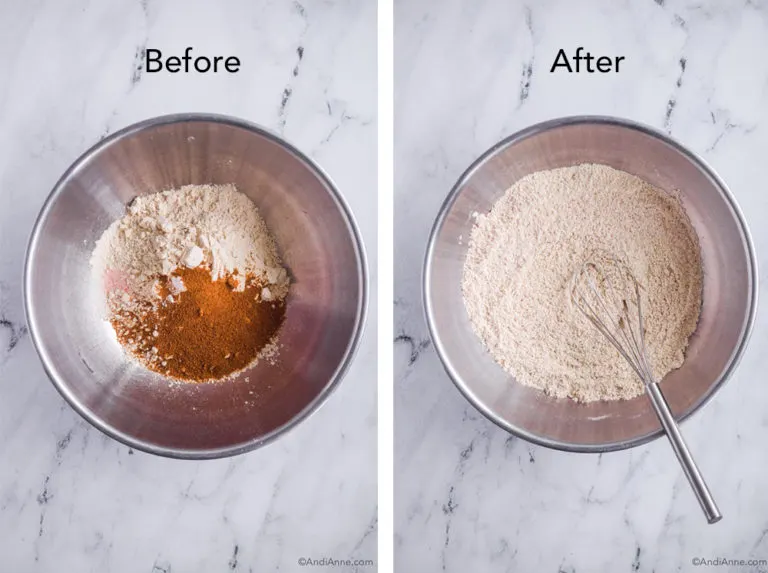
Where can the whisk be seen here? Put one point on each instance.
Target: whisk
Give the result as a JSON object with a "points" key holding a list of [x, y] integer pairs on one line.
{"points": [[608, 294]]}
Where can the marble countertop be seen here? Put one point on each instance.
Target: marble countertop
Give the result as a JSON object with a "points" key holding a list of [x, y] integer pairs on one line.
{"points": [[72, 499], [468, 496]]}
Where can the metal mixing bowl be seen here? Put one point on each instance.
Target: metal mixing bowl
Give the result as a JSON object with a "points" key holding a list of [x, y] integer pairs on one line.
{"points": [[316, 237], [729, 298]]}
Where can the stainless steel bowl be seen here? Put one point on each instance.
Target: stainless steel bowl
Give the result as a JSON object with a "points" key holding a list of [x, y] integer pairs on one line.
{"points": [[317, 239], [729, 298]]}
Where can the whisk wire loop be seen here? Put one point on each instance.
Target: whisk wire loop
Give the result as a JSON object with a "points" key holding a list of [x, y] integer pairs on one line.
{"points": [[607, 307]]}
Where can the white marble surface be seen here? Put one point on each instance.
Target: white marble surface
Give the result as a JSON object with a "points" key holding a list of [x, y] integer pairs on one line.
{"points": [[72, 499], [468, 496]]}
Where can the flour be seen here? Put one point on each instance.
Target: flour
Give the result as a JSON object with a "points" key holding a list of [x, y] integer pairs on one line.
{"points": [[196, 224], [523, 254]]}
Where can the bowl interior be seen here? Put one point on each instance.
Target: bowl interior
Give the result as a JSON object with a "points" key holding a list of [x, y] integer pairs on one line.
{"points": [[727, 297], [316, 240]]}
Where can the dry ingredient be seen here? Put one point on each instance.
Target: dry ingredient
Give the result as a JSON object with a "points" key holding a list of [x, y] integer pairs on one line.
{"points": [[523, 253], [209, 331], [195, 288]]}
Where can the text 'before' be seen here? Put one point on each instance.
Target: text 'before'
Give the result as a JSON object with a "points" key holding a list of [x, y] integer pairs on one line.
{"points": [[187, 63]]}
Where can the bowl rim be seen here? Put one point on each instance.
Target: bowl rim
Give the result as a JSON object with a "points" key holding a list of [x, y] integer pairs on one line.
{"points": [[517, 137], [349, 352]]}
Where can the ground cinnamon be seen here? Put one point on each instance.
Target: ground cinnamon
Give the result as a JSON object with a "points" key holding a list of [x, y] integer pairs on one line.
{"points": [[207, 331]]}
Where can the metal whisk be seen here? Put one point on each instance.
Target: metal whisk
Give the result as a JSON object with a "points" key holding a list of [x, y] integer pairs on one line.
{"points": [[609, 296]]}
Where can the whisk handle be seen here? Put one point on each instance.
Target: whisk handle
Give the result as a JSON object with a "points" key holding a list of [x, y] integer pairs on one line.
{"points": [[680, 448]]}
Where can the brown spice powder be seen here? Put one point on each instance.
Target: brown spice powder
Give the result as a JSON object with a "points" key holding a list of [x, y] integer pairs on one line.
{"points": [[207, 332]]}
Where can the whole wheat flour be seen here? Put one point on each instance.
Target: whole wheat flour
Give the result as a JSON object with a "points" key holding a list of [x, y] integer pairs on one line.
{"points": [[523, 254]]}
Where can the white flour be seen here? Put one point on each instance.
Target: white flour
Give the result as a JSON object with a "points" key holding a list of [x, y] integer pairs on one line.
{"points": [[523, 254], [215, 225]]}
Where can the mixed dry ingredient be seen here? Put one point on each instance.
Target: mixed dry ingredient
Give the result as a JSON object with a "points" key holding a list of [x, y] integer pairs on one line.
{"points": [[524, 252], [195, 288]]}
